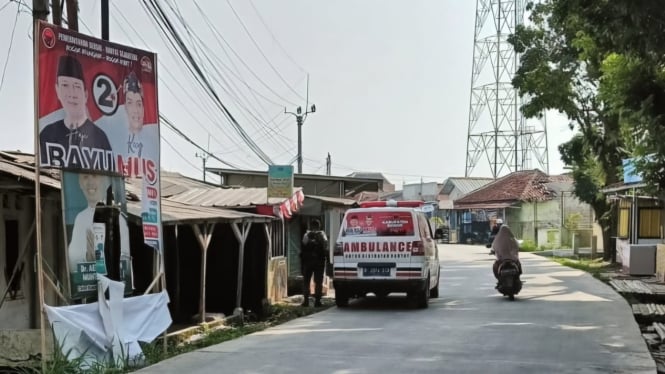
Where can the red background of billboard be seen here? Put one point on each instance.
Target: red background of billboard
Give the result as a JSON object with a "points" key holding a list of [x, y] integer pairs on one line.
{"points": [[48, 66]]}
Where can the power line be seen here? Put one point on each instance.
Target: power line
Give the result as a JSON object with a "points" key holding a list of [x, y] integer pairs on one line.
{"points": [[163, 26], [159, 16], [231, 89], [256, 76], [180, 154], [263, 54], [168, 87], [11, 43], [7, 4], [171, 126], [275, 38]]}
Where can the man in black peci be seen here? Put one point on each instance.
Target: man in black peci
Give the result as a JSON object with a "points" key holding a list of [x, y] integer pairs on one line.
{"points": [[313, 258], [69, 142]]}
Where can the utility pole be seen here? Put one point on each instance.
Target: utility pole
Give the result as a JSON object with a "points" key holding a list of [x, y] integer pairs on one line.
{"points": [[328, 165], [300, 120], [204, 157], [57, 13], [72, 14], [105, 19], [40, 10]]}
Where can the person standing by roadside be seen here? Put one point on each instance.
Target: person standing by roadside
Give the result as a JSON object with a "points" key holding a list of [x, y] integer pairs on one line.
{"points": [[313, 258]]}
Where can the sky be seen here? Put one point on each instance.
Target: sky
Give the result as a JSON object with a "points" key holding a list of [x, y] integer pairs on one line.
{"points": [[390, 80]]}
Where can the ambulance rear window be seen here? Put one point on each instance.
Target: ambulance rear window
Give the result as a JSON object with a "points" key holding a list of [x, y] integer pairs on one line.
{"points": [[384, 223]]}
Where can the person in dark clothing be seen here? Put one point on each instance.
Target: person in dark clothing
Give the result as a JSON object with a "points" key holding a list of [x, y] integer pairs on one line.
{"points": [[495, 231], [74, 141], [313, 258]]}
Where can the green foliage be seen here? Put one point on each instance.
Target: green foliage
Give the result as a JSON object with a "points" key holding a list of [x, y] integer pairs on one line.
{"points": [[572, 221], [602, 64], [593, 266], [528, 246]]}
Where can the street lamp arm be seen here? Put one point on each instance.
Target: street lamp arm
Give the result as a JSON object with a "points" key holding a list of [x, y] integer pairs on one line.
{"points": [[285, 112]]}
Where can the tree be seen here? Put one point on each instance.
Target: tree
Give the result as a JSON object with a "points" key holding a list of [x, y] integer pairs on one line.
{"points": [[631, 36], [561, 69]]}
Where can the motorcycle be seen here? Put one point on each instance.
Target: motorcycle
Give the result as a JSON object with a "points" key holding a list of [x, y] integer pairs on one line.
{"points": [[509, 279]]}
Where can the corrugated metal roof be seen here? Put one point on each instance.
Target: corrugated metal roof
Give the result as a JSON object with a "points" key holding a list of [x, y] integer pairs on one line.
{"points": [[226, 197], [333, 200], [173, 212], [464, 185], [369, 175], [171, 184], [21, 172]]}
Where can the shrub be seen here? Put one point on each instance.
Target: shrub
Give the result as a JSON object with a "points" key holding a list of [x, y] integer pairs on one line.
{"points": [[528, 246]]}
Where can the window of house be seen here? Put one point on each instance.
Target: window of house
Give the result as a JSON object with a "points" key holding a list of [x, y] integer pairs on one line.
{"points": [[623, 222], [649, 223]]}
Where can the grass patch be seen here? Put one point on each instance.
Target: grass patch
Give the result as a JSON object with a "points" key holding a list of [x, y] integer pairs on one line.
{"points": [[528, 246], [594, 267], [154, 352]]}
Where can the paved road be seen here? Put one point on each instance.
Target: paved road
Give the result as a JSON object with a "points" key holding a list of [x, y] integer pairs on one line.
{"points": [[564, 321]]}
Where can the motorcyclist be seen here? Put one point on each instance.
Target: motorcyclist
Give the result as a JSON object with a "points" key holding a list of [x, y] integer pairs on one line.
{"points": [[505, 247]]}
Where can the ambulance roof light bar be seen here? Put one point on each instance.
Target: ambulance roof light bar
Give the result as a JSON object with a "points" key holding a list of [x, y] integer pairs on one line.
{"points": [[392, 204]]}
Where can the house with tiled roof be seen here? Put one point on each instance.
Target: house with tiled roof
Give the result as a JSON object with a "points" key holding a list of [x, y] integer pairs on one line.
{"points": [[538, 207]]}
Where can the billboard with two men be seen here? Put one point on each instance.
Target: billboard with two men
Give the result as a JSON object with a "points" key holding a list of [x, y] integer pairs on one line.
{"points": [[98, 121]]}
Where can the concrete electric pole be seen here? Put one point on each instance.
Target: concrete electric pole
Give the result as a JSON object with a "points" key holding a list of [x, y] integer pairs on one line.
{"points": [[300, 120]]}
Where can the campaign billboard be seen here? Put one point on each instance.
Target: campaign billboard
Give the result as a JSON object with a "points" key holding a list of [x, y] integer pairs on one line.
{"points": [[98, 111]]}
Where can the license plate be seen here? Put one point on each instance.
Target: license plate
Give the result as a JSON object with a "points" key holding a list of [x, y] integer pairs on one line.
{"points": [[376, 271]]}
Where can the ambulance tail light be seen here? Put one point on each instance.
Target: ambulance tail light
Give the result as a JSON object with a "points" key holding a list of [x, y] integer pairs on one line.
{"points": [[338, 250], [417, 248]]}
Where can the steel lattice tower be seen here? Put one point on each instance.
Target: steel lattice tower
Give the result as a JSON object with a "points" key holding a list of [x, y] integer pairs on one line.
{"points": [[497, 128]]}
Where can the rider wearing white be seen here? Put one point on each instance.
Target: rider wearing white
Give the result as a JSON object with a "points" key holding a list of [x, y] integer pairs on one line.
{"points": [[505, 247]]}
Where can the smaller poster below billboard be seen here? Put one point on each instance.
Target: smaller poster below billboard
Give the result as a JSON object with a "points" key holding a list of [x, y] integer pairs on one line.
{"points": [[96, 231], [280, 181]]}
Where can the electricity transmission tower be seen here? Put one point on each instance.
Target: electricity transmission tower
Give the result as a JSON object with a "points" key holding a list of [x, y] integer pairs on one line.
{"points": [[497, 128]]}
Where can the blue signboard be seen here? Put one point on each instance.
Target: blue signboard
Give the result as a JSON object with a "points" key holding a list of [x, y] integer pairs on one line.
{"points": [[630, 175]]}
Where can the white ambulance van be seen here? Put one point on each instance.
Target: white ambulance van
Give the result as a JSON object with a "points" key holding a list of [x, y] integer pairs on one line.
{"points": [[384, 247]]}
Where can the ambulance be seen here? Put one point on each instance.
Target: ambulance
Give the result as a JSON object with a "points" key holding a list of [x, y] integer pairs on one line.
{"points": [[384, 247]]}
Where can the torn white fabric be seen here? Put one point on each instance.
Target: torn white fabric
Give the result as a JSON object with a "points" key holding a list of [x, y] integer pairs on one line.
{"points": [[110, 330]]}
